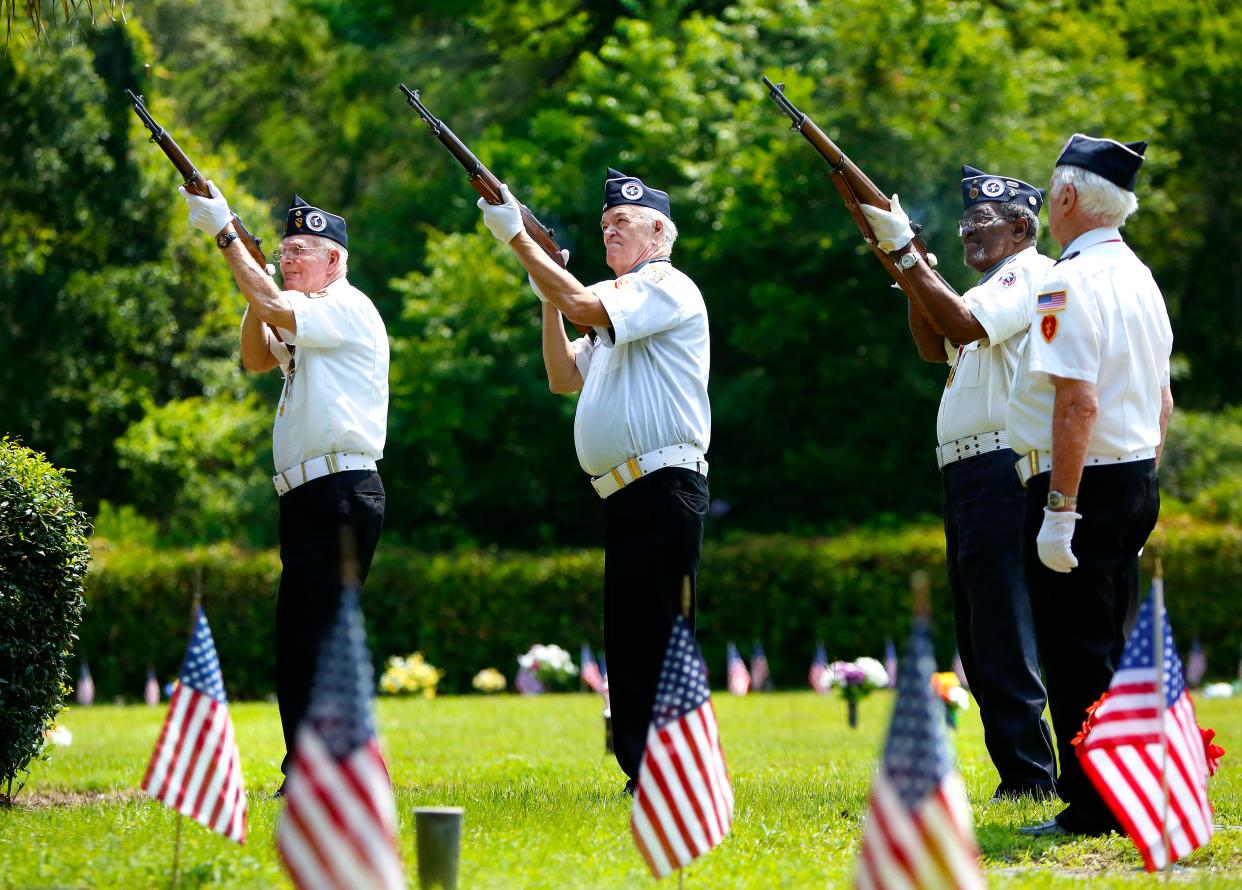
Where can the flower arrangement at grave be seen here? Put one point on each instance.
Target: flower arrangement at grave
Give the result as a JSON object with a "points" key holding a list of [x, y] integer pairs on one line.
{"points": [[410, 675], [948, 687], [489, 680], [546, 669], [854, 681]]}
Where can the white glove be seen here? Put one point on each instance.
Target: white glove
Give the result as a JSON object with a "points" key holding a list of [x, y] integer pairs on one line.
{"points": [[535, 287], [210, 215], [891, 227], [503, 220], [1054, 539]]}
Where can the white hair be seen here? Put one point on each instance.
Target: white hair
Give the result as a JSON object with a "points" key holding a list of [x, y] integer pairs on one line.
{"points": [[668, 235], [321, 241], [1103, 202]]}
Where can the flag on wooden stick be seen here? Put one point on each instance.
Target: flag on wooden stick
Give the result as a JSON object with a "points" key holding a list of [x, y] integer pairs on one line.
{"points": [[85, 689], [683, 802], [1143, 749], [590, 672], [739, 676], [758, 668], [151, 690], [196, 769], [818, 675], [919, 833], [338, 831]]}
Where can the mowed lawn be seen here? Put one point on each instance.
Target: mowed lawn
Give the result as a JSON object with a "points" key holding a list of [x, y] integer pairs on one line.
{"points": [[543, 804]]}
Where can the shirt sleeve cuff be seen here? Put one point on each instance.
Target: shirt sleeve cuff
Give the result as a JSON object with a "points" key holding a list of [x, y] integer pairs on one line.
{"points": [[616, 318]]}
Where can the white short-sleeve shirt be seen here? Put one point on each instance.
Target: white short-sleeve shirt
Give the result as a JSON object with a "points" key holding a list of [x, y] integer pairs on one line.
{"points": [[976, 393], [1099, 317], [336, 398], [646, 389]]}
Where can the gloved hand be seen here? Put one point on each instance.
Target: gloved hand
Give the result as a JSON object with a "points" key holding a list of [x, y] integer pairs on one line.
{"points": [[1053, 541], [891, 227], [210, 215], [503, 220], [535, 287]]}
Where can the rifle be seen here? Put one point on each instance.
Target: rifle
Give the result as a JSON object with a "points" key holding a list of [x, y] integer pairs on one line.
{"points": [[851, 182], [195, 184], [485, 182]]}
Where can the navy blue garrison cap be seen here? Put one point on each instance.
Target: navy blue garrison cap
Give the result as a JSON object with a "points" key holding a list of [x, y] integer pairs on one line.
{"points": [[622, 189], [1118, 162], [978, 187], [306, 219]]}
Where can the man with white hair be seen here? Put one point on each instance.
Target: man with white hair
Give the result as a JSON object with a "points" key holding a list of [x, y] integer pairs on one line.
{"points": [[1087, 415], [642, 426], [329, 342]]}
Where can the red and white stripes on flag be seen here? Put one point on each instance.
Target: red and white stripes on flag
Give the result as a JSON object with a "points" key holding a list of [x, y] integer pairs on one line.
{"points": [[196, 769], [339, 828], [738, 674], [919, 834], [1143, 749], [683, 801]]}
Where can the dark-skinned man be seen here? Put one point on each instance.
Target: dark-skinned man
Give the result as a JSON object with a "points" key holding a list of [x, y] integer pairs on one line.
{"points": [[1087, 413], [979, 334]]}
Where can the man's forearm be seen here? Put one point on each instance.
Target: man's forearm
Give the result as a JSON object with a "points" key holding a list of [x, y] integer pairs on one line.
{"points": [[558, 286], [1073, 421], [1166, 411], [558, 355], [258, 287], [928, 340], [255, 352], [944, 308]]}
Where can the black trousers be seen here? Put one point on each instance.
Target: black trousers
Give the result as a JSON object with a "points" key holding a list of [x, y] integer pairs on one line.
{"points": [[311, 518], [983, 516], [652, 541], [1081, 618]]}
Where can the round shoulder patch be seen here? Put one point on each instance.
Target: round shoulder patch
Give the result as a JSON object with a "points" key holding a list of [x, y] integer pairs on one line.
{"points": [[315, 222], [1008, 279], [994, 188], [632, 190]]}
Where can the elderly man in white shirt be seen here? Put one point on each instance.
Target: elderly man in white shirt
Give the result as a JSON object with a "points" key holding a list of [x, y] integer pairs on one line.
{"points": [[642, 427], [329, 342], [979, 334], [1087, 414]]}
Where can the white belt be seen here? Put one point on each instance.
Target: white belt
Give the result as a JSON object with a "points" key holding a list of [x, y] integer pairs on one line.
{"points": [[969, 446], [684, 455], [325, 465], [1035, 462]]}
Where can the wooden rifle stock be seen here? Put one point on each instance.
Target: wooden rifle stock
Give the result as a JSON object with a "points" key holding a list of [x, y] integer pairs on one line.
{"points": [[195, 183], [485, 182], [853, 184]]}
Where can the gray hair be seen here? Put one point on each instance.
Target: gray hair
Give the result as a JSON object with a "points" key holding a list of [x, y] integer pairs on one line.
{"points": [[321, 241], [1012, 211], [668, 234], [1103, 202]]}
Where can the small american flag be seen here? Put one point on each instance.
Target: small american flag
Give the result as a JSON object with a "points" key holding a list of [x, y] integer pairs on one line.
{"points": [[86, 687], [683, 803], [890, 662], [1196, 666], [960, 669], [1144, 751], [1050, 302], [739, 677], [590, 670], [151, 691], [758, 668], [919, 833], [196, 769], [338, 831], [818, 675]]}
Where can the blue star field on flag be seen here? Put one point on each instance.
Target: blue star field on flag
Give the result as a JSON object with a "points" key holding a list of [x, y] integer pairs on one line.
{"points": [[1140, 652], [201, 668], [339, 707], [683, 679], [916, 755]]}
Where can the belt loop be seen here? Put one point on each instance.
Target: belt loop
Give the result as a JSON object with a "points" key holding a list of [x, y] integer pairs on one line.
{"points": [[617, 477], [1033, 458], [632, 466]]}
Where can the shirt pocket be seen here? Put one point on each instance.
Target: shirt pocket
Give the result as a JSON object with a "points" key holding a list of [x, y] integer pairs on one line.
{"points": [[966, 372]]}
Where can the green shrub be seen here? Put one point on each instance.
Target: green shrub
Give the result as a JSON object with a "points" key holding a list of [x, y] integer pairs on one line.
{"points": [[473, 609], [43, 558]]}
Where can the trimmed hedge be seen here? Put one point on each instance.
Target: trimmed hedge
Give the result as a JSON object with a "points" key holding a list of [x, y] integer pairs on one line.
{"points": [[474, 609]]}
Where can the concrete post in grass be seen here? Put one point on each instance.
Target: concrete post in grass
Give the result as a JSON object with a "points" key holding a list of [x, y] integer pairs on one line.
{"points": [[438, 831]]}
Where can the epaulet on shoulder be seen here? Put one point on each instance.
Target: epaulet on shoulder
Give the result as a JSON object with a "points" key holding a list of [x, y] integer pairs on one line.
{"points": [[1066, 258]]}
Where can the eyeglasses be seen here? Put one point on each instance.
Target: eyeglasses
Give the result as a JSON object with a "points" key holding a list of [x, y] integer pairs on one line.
{"points": [[967, 224], [296, 252]]}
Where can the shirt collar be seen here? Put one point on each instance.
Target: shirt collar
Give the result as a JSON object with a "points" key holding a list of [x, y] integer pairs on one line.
{"points": [[1006, 261], [1092, 238], [654, 259]]}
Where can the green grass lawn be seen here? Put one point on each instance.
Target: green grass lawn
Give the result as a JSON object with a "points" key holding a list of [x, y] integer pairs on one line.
{"points": [[544, 806]]}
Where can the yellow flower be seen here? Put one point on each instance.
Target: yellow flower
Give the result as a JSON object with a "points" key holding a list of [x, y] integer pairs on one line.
{"points": [[410, 674], [489, 680]]}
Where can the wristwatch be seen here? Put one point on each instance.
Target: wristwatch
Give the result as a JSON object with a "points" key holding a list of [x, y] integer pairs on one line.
{"points": [[1057, 501], [224, 239], [908, 260]]}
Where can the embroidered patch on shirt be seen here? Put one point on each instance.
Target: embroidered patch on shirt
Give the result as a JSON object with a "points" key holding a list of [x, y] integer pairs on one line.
{"points": [[1009, 279], [655, 274], [1048, 327], [624, 282], [1053, 301]]}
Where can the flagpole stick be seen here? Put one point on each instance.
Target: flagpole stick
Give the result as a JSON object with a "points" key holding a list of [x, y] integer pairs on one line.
{"points": [[1164, 740], [176, 869], [685, 596], [920, 594]]}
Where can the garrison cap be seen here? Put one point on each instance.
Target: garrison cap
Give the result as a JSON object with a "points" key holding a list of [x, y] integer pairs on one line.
{"points": [[978, 187], [622, 189], [306, 219], [1118, 162]]}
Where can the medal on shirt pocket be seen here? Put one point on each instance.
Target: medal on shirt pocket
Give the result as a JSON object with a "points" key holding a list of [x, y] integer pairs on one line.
{"points": [[968, 378]]}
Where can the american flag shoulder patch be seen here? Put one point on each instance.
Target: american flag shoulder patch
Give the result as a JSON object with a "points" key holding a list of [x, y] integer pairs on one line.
{"points": [[1053, 301]]}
